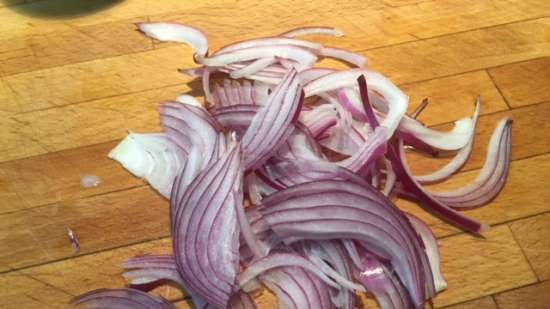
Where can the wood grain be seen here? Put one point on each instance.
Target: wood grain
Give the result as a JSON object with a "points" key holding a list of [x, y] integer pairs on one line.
{"points": [[39, 235], [96, 79], [481, 303], [24, 54], [80, 124], [533, 236], [531, 297], [55, 177], [71, 87], [485, 266], [525, 82], [452, 98], [463, 52]]}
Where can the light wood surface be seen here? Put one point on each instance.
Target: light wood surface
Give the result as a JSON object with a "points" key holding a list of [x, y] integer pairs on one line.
{"points": [[72, 86]]}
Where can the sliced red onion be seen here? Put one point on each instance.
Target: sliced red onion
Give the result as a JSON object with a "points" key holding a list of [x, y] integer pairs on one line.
{"points": [[147, 269], [318, 222], [175, 32], [253, 68], [310, 74], [344, 55], [455, 139], [344, 79], [199, 130], [333, 253], [491, 177], [391, 178], [205, 229], [193, 72], [187, 99], [273, 123], [291, 52], [300, 145], [121, 299], [396, 154], [280, 259], [432, 251], [313, 31], [374, 148], [153, 157], [338, 209], [384, 285], [457, 162], [296, 288], [269, 42]]}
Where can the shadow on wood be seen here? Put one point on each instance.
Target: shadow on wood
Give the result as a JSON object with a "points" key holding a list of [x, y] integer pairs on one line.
{"points": [[62, 8]]}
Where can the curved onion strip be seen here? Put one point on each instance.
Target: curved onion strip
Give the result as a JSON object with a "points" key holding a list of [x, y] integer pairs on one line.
{"points": [[146, 269], [329, 209], [270, 42], [396, 99], [187, 99], [344, 55], [491, 177], [277, 259], [457, 162], [312, 31], [121, 299], [396, 154], [455, 139], [295, 288], [184, 121], [175, 32], [291, 52], [432, 251], [153, 157], [253, 68], [374, 148], [386, 288], [205, 231], [334, 254], [311, 74], [273, 123], [390, 178]]}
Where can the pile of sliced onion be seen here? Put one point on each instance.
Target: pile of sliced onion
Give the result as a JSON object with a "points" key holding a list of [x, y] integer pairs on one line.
{"points": [[316, 177]]}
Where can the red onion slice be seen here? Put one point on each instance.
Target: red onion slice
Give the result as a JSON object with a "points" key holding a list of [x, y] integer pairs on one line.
{"points": [[121, 299], [269, 42], [328, 209], [148, 269], [396, 154], [383, 284], [432, 251], [291, 52], [491, 177], [253, 68], [205, 229], [276, 260], [175, 32], [296, 288], [457, 162], [273, 123], [153, 157]]}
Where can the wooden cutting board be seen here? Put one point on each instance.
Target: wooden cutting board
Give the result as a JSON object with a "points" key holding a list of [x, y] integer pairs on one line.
{"points": [[72, 85]]}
